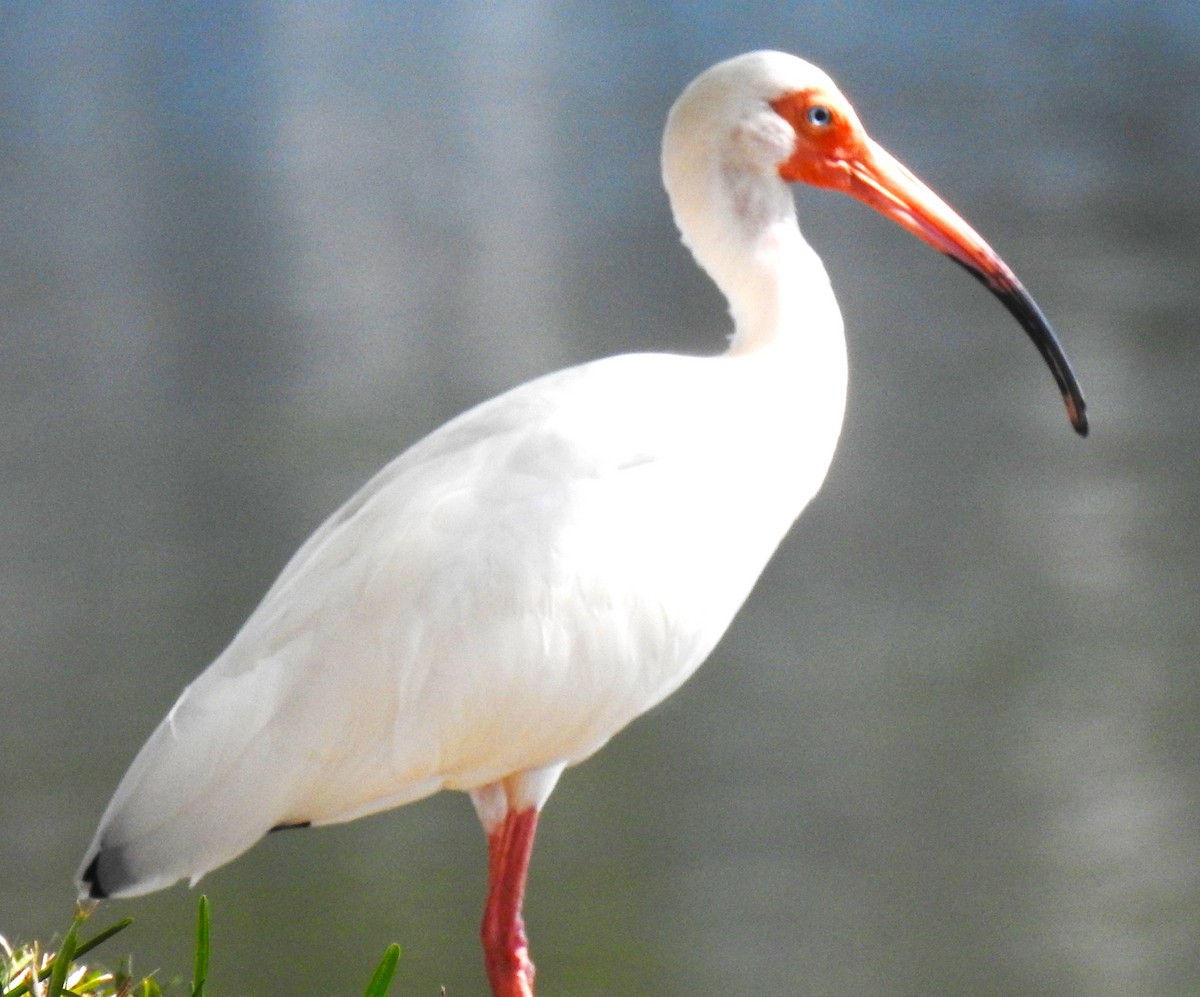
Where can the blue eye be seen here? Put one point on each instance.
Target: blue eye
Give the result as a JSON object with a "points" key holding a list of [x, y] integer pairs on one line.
{"points": [[820, 116]]}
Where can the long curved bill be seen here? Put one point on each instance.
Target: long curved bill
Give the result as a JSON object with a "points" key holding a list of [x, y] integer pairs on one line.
{"points": [[878, 179]]}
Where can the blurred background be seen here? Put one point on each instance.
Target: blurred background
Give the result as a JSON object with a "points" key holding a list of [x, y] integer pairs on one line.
{"points": [[251, 251]]}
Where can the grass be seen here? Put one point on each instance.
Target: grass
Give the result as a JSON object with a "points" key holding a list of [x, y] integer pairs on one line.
{"points": [[34, 971]]}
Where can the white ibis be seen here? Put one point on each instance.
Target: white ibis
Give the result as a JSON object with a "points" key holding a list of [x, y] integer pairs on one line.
{"points": [[511, 591]]}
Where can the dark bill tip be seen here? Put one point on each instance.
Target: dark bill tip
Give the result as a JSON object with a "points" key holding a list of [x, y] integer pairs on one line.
{"points": [[1024, 309]]}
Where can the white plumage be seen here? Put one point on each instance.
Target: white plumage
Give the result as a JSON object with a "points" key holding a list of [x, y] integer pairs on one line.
{"points": [[514, 589], [504, 596]]}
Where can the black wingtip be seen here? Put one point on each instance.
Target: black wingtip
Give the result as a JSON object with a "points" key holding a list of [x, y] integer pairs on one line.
{"points": [[290, 826], [91, 880]]}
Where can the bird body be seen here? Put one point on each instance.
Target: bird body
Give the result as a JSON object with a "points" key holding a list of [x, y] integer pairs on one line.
{"points": [[522, 583], [502, 597]]}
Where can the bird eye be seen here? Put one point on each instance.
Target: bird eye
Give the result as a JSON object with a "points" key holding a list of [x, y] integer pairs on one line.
{"points": [[820, 116]]}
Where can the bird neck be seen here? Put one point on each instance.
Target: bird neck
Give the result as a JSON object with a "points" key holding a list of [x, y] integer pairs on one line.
{"points": [[780, 297], [741, 227]]}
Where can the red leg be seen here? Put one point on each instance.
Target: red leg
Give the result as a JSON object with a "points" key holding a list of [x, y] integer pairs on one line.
{"points": [[505, 947]]}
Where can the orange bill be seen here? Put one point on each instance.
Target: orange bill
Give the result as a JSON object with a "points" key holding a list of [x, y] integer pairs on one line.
{"points": [[834, 152]]}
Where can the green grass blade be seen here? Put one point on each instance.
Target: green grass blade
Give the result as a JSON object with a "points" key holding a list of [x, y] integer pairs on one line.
{"points": [[65, 961], [203, 931], [18, 991], [61, 966], [103, 936], [378, 987]]}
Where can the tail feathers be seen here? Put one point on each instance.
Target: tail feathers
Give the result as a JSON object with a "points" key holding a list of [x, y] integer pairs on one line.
{"points": [[204, 788], [123, 865], [142, 846], [239, 755], [90, 883], [112, 872]]}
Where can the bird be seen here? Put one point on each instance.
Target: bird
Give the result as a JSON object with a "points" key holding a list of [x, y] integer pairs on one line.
{"points": [[511, 591]]}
